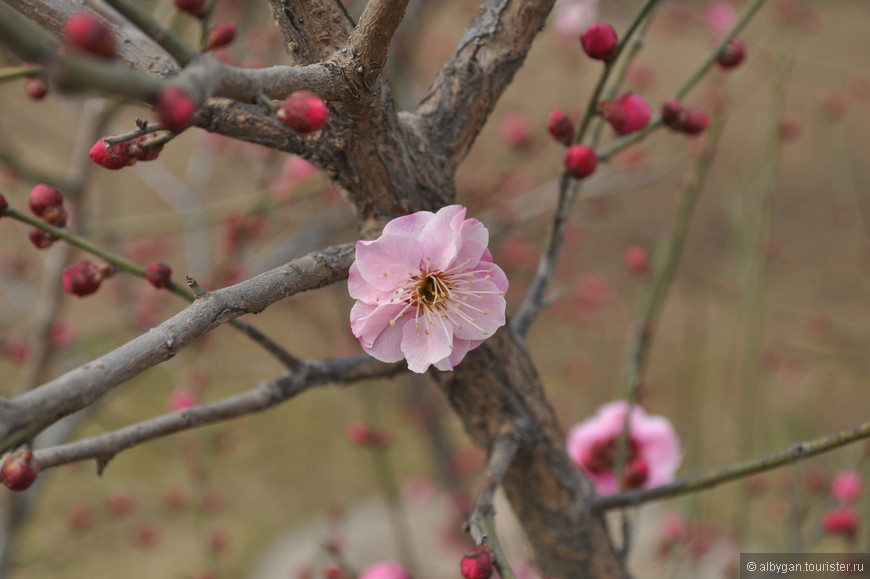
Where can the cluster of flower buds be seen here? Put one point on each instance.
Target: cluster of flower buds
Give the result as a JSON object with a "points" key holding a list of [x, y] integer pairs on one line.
{"points": [[846, 488], [46, 202], [126, 153], [303, 111], [19, 470], [84, 277], [687, 120]]}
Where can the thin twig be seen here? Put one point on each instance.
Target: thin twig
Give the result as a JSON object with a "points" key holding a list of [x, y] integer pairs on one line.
{"points": [[794, 453], [481, 523], [312, 374]]}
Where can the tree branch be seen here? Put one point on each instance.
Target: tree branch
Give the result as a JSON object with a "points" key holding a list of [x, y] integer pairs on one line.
{"points": [[312, 374], [84, 385], [481, 523], [492, 49], [370, 40], [707, 480]]}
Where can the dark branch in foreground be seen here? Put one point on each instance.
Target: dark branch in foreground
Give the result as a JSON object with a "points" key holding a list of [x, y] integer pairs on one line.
{"points": [[312, 374], [82, 386], [794, 453]]}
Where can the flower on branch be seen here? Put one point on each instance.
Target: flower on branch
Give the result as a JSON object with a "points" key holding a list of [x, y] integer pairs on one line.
{"points": [[652, 450], [426, 290]]}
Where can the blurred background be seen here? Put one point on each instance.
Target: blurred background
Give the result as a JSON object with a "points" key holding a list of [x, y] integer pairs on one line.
{"points": [[762, 342]]}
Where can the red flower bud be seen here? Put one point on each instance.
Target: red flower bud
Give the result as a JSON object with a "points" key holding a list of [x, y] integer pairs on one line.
{"points": [[580, 161], [174, 108], [220, 35], [4, 205], [560, 126], [56, 216], [628, 114], [158, 274], [476, 564], [83, 277], [841, 521], [193, 7], [732, 54], [35, 87], [600, 41], [695, 121], [42, 197], [142, 152], [303, 111], [19, 470], [90, 34], [40, 238], [111, 157]]}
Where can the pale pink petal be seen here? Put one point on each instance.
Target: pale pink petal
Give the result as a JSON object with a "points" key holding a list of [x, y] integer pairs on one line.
{"points": [[387, 262], [427, 345], [481, 315], [473, 241], [660, 447], [440, 238], [409, 225], [367, 322], [460, 349]]}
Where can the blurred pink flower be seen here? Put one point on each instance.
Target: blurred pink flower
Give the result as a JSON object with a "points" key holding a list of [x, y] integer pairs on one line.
{"points": [[572, 17], [846, 486], [721, 16], [182, 399], [426, 290], [385, 570], [653, 453]]}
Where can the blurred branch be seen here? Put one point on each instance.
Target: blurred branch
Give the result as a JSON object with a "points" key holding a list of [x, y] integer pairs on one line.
{"points": [[481, 523], [84, 385], [792, 454], [177, 48], [312, 374]]}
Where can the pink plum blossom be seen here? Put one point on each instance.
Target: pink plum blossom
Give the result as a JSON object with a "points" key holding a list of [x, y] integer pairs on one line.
{"points": [[426, 290], [653, 453], [846, 486], [385, 570]]}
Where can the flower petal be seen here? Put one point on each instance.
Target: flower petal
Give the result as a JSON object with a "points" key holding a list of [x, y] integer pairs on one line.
{"points": [[386, 262], [440, 238], [426, 343]]}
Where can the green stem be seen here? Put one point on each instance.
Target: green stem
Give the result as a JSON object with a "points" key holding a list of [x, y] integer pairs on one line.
{"points": [[15, 72], [499, 557]]}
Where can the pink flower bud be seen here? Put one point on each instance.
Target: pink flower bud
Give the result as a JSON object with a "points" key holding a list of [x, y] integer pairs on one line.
{"points": [[182, 399], [158, 274], [580, 161], [385, 570], [841, 521], [476, 564], [303, 111], [112, 157], [220, 35], [516, 130], [35, 88], [122, 504], [628, 114], [40, 238], [193, 7], [600, 41], [174, 108], [846, 486], [636, 259], [732, 54], [695, 121], [19, 470], [560, 126], [83, 277], [42, 197], [90, 34]]}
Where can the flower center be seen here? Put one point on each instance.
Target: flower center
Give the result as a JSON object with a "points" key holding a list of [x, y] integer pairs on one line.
{"points": [[429, 291]]}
